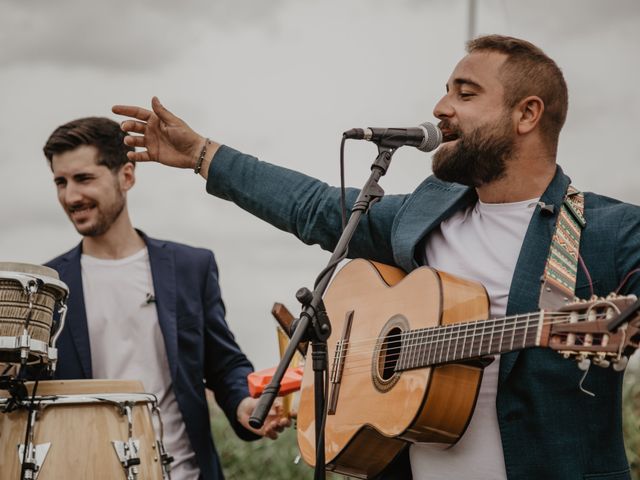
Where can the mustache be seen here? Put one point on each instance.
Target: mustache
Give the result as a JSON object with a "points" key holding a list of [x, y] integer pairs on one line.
{"points": [[446, 125], [78, 206]]}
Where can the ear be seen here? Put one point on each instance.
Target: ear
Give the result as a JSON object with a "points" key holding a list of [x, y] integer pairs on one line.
{"points": [[528, 114], [127, 176]]}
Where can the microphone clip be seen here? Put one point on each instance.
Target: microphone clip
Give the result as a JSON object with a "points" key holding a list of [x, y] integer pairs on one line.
{"points": [[546, 210], [150, 298]]}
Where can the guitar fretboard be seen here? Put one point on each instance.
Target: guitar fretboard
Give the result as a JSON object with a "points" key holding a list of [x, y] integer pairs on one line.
{"points": [[466, 340]]}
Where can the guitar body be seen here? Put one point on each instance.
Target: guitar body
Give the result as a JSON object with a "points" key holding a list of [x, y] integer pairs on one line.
{"points": [[379, 412]]}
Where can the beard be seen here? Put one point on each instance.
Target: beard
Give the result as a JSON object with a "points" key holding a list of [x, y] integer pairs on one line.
{"points": [[480, 157], [106, 215]]}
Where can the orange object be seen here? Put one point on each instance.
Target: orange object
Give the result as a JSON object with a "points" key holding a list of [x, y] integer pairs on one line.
{"points": [[258, 381]]}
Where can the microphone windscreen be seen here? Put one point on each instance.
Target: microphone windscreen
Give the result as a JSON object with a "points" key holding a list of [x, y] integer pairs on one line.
{"points": [[432, 137]]}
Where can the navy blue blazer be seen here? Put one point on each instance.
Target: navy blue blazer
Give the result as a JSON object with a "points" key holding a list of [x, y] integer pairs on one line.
{"points": [[201, 349], [549, 428]]}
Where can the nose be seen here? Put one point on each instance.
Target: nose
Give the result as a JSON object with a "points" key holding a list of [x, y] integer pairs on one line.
{"points": [[70, 194], [443, 108]]}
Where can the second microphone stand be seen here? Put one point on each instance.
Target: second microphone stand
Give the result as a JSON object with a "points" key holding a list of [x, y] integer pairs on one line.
{"points": [[313, 324]]}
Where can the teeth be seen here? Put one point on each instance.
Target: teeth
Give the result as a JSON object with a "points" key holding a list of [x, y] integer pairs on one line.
{"points": [[82, 209]]}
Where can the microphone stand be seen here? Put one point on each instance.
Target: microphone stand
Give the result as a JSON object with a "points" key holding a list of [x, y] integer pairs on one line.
{"points": [[313, 324]]}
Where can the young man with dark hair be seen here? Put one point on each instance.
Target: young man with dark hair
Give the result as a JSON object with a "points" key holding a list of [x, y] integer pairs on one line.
{"points": [[488, 214], [141, 308]]}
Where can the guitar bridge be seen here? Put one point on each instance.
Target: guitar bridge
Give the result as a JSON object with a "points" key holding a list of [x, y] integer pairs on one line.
{"points": [[338, 363]]}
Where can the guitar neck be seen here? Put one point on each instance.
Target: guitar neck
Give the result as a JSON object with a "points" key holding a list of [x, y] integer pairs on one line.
{"points": [[467, 340]]}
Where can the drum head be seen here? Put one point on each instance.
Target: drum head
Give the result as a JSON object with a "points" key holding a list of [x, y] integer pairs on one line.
{"points": [[28, 268]]}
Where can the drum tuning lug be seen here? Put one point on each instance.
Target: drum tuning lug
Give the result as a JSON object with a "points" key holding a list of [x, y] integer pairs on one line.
{"points": [[127, 453], [36, 455]]}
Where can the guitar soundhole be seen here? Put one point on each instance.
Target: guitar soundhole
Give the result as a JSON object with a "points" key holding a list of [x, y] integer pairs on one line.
{"points": [[387, 354]]}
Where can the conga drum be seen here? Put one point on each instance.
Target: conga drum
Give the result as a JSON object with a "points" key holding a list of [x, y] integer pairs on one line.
{"points": [[83, 429], [29, 296]]}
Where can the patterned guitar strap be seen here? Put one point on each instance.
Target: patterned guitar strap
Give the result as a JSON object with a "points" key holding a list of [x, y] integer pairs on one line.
{"points": [[559, 279]]}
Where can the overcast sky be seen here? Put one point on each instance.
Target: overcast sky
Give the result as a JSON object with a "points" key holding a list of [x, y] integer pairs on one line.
{"points": [[282, 80]]}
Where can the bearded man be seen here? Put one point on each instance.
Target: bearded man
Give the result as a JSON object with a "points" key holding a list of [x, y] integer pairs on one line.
{"points": [[488, 214], [144, 309]]}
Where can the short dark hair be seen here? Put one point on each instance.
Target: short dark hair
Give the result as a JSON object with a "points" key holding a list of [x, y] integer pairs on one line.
{"points": [[529, 71], [100, 132]]}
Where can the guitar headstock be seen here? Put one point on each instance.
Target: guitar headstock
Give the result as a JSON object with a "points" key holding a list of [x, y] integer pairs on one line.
{"points": [[580, 331]]}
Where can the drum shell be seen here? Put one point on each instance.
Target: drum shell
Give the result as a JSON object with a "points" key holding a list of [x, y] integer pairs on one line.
{"points": [[81, 435], [35, 311], [14, 310]]}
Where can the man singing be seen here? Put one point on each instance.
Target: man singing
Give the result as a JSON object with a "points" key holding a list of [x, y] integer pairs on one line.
{"points": [[488, 214]]}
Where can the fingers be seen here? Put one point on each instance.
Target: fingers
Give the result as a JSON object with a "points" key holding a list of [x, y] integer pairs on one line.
{"points": [[162, 113], [132, 111], [139, 156], [133, 126], [275, 427], [135, 141], [275, 424]]}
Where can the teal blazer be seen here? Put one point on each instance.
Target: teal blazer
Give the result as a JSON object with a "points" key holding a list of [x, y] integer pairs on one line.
{"points": [[549, 428]]}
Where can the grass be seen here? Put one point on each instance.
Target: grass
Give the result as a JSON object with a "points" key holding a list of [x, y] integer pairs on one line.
{"points": [[262, 459], [631, 420], [266, 459]]}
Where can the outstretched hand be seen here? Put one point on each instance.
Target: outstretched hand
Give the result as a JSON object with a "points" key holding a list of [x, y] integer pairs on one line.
{"points": [[167, 138], [275, 422]]}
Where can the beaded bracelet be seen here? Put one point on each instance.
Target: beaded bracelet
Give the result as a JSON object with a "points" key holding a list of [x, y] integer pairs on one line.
{"points": [[203, 152]]}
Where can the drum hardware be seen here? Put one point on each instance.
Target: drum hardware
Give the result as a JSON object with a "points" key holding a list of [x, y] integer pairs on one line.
{"points": [[165, 459], [17, 391], [28, 298], [34, 456], [128, 452]]}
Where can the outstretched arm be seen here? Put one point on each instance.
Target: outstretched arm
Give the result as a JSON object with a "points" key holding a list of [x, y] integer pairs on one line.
{"points": [[167, 138]]}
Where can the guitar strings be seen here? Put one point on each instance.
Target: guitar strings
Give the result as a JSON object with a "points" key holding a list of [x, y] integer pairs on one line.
{"points": [[431, 336], [359, 357], [457, 327]]}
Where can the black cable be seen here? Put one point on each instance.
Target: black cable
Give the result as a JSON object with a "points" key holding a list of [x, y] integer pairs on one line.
{"points": [[30, 409], [343, 212], [343, 201], [326, 403]]}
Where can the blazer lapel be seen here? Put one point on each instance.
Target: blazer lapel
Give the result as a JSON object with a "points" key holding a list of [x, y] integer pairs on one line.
{"points": [[424, 210], [532, 259], [76, 322], [163, 272]]}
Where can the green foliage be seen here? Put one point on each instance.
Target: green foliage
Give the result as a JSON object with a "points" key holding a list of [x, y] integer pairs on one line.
{"points": [[262, 459], [631, 420]]}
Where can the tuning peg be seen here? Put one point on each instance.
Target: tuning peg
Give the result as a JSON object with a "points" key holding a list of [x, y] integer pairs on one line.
{"points": [[601, 362], [621, 364], [584, 363]]}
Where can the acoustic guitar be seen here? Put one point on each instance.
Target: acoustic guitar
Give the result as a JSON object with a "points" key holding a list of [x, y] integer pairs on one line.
{"points": [[406, 358]]}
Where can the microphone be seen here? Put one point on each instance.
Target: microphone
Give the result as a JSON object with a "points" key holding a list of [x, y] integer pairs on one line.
{"points": [[426, 137]]}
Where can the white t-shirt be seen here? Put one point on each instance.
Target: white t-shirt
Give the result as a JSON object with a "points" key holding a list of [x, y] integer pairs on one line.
{"points": [[127, 344], [481, 243]]}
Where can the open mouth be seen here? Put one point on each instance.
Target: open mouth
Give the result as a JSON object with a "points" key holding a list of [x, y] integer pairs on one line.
{"points": [[79, 212], [448, 136]]}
